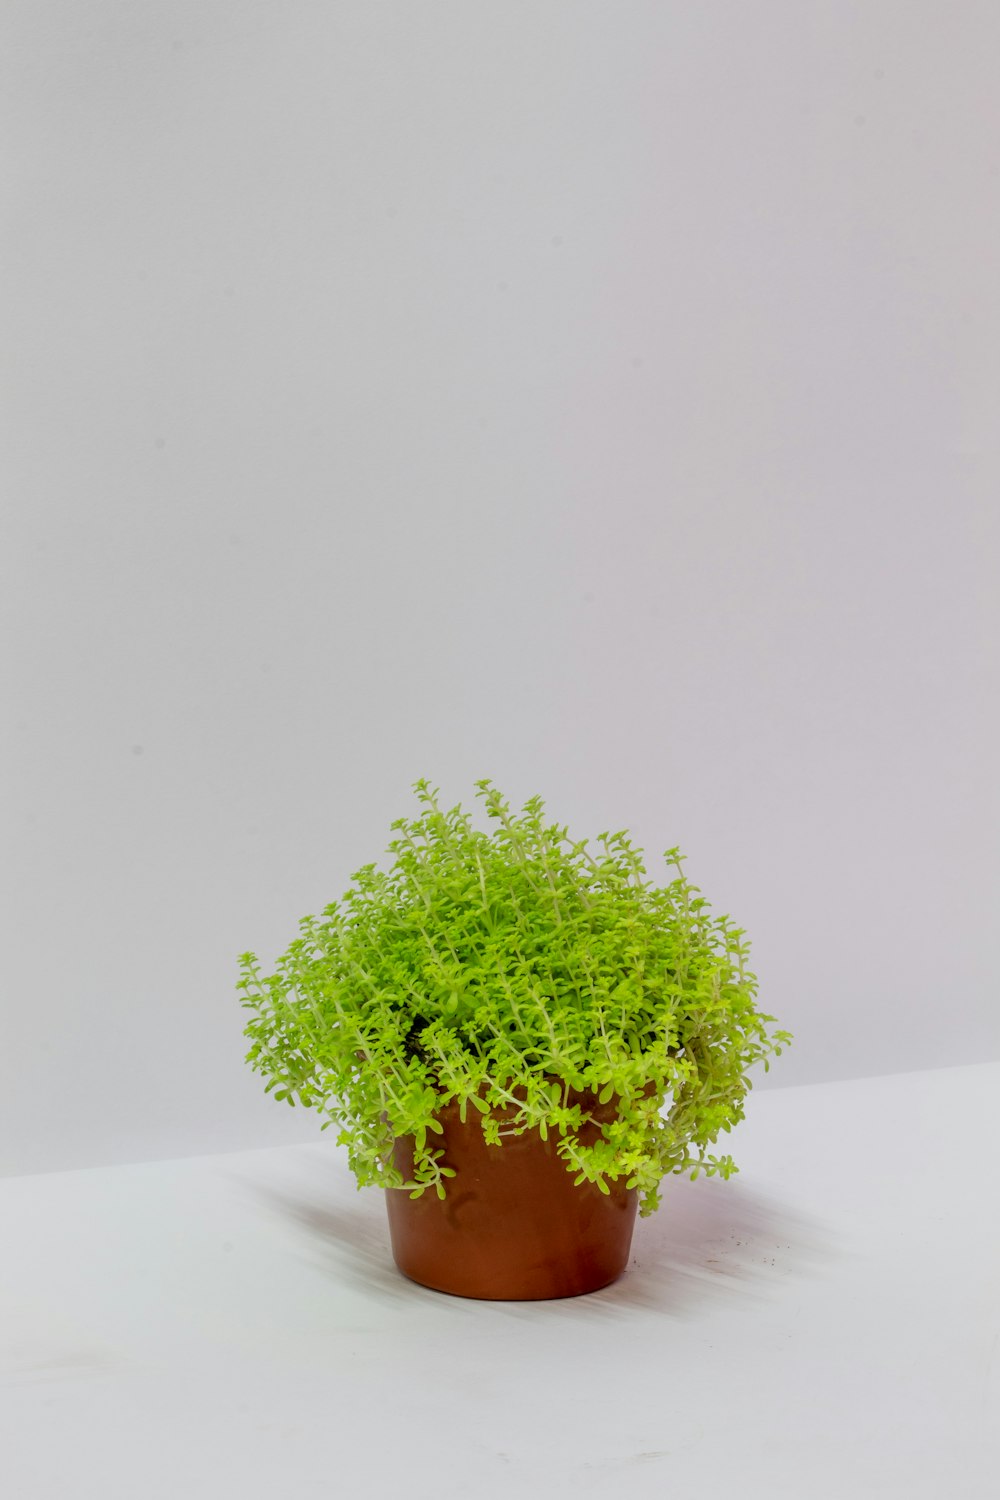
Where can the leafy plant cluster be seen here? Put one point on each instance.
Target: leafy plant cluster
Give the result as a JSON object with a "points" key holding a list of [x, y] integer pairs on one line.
{"points": [[519, 974]]}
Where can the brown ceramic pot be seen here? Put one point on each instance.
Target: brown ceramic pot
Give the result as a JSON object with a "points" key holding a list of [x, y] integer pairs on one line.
{"points": [[512, 1225]]}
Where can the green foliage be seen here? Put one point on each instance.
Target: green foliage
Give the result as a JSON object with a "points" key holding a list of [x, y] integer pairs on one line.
{"points": [[514, 970]]}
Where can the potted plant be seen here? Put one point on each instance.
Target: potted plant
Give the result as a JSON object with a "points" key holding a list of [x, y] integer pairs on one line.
{"points": [[518, 1037]]}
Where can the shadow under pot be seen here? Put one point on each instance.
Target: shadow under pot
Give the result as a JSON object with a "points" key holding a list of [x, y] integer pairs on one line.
{"points": [[512, 1225]]}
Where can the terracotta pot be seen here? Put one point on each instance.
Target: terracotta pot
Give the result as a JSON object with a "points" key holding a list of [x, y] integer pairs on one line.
{"points": [[512, 1225]]}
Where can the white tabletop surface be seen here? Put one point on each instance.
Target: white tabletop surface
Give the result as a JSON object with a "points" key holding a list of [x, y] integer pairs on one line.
{"points": [[824, 1325]]}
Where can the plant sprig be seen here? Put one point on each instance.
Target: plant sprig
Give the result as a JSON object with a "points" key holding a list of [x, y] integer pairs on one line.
{"points": [[521, 972]]}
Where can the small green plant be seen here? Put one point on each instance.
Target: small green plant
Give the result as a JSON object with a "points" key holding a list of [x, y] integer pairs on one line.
{"points": [[515, 972]]}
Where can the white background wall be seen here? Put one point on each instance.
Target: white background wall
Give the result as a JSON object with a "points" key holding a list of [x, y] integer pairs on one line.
{"points": [[598, 397]]}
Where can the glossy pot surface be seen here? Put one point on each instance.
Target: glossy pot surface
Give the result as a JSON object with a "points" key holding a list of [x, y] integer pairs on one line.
{"points": [[512, 1225]]}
